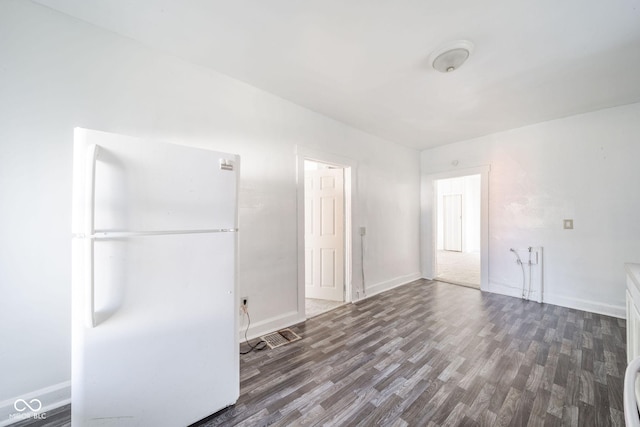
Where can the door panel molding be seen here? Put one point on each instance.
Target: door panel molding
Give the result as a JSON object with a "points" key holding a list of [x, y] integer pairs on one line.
{"points": [[324, 234]]}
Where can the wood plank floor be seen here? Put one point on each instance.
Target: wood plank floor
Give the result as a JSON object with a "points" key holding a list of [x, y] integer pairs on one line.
{"points": [[431, 354]]}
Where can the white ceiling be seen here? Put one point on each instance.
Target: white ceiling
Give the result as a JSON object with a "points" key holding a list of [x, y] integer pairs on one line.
{"points": [[365, 62]]}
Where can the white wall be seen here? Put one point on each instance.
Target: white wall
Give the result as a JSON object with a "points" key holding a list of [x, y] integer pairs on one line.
{"points": [[57, 73], [584, 167]]}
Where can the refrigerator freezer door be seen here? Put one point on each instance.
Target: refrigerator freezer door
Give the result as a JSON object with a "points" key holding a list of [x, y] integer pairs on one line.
{"points": [[144, 185]]}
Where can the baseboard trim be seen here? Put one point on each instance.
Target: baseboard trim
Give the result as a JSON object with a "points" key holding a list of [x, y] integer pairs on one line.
{"points": [[585, 305], [390, 284], [269, 325], [293, 317], [563, 301], [50, 398]]}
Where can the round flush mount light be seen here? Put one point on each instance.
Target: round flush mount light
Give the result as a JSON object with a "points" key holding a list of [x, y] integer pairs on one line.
{"points": [[451, 56]]}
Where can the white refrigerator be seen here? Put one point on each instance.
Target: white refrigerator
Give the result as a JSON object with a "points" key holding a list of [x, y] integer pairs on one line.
{"points": [[154, 322]]}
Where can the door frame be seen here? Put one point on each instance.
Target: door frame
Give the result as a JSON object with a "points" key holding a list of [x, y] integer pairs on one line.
{"points": [[429, 220], [349, 167]]}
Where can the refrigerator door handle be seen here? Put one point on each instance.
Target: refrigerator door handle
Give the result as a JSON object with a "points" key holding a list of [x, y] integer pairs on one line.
{"points": [[106, 235], [89, 301], [90, 199]]}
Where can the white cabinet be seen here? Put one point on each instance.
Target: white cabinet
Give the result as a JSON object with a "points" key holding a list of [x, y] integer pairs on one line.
{"points": [[631, 399], [633, 313]]}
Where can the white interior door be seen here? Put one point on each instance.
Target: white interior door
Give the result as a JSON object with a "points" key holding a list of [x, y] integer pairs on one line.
{"points": [[452, 213], [324, 234]]}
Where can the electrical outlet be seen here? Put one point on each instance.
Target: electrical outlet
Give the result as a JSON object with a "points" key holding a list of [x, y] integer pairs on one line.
{"points": [[244, 301], [363, 231]]}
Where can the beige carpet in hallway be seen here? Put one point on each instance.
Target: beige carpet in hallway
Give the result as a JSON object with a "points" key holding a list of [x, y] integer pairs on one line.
{"points": [[459, 267]]}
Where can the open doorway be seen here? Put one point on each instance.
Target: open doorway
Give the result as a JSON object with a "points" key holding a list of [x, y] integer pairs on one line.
{"points": [[337, 261], [458, 230], [324, 237]]}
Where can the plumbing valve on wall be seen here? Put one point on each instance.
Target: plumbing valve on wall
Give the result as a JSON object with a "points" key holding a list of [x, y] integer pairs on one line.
{"points": [[530, 263]]}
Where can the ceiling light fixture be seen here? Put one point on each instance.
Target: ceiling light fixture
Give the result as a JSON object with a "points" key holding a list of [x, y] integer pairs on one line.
{"points": [[451, 56]]}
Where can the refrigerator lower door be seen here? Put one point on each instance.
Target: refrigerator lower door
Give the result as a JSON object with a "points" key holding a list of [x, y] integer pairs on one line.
{"points": [[164, 350]]}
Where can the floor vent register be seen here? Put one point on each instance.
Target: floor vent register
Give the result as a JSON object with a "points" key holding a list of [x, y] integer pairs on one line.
{"points": [[280, 338]]}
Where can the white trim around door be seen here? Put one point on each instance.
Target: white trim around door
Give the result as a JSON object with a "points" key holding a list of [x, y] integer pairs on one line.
{"points": [[350, 195], [428, 220]]}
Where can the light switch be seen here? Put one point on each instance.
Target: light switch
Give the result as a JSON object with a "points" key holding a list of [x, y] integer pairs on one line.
{"points": [[568, 224]]}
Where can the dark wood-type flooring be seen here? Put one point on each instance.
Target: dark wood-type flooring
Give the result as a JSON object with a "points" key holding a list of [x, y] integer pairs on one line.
{"points": [[430, 354]]}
